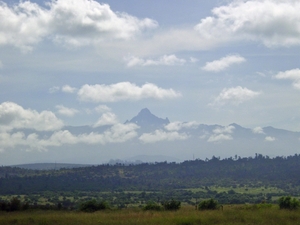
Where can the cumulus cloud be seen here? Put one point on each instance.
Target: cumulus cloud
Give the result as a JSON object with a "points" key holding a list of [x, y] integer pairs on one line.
{"points": [[221, 134], [219, 137], [68, 89], [177, 125], [223, 63], [235, 96], [13, 116], [106, 119], [160, 135], [118, 133], [72, 22], [258, 130], [227, 129], [123, 91], [121, 132], [66, 111], [22, 25], [166, 60], [270, 139], [272, 22], [293, 75], [8, 140]]}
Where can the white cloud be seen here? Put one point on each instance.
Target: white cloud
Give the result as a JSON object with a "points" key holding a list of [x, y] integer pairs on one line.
{"points": [[160, 135], [68, 89], [293, 75], [235, 96], [118, 133], [221, 134], [219, 137], [19, 139], [272, 22], [123, 91], [258, 130], [102, 109], [166, 60], [71, 22], [227, 129], [106, 119], [22, 25], [177, 125], [66, 111], [14, 116], [59, 138], [270, 139], [1, 64], [121, 133], [223, 63]]}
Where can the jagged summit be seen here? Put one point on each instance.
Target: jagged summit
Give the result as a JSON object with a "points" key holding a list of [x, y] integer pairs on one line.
{"points": [[146, 119]]}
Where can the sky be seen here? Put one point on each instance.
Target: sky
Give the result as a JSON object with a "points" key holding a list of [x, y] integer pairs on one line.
{"points": [[86, 62]]}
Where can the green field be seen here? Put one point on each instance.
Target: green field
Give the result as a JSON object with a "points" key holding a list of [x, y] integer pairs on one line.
{"points": [[187, 215], [136, 198]]}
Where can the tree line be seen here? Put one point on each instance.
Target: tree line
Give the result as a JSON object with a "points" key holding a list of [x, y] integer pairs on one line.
{"points": [[119, 182]]}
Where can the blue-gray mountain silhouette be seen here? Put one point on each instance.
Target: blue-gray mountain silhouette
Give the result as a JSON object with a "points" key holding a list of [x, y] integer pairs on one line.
{"points": [[146, 120], [202, 140]]}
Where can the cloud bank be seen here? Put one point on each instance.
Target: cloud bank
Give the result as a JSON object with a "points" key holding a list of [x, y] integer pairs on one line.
{"points": [[221, 134], [69, 22], [13, 116], [123, 91], [293, 75], [160, 135], [223, 63], [106, 119], [235, 96], [273, 22], [65, 111], [166, 60]]}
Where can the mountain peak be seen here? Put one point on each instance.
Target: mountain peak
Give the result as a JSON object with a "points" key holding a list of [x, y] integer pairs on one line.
{"points": [[145, 111], [146, 119]]}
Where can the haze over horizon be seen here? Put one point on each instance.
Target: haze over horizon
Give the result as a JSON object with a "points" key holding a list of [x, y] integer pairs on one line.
{"points": [[70, 63]]}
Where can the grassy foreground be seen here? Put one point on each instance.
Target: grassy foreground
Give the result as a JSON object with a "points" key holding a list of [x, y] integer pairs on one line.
{"points": [[185, 216]]}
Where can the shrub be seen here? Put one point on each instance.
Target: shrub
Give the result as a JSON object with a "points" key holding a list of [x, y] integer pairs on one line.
{"points": [[152, 206], [3, 206], [209, 204], [288, 203], [171, 205], [92, 206], [15, 204]]}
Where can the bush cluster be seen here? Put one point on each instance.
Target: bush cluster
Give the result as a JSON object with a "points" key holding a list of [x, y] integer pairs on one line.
{"points": [[209, 204], [13, 205], [171, 205], [93, 206], [152, 206], [288, 202]]}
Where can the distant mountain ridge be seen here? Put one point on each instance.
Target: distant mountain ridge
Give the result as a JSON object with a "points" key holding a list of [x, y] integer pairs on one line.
{"points": [[50, 166], [174, 140]]}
